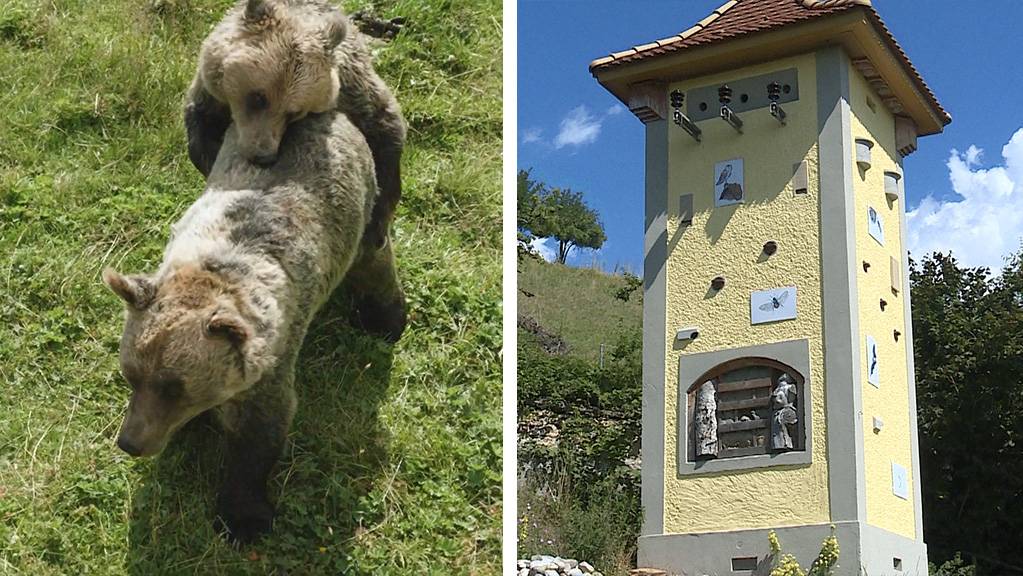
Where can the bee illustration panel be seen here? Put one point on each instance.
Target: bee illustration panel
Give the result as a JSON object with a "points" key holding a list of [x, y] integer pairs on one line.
{"points": [[875, 225], [773, 305], [729, 184], [873, 364]]}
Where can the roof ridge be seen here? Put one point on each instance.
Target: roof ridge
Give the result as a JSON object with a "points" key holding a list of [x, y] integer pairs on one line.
{"points": [[710, 19], [707, 21], [812, 4]]}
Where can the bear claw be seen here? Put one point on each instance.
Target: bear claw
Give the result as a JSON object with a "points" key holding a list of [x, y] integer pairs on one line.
{"points": [[244, 523]]}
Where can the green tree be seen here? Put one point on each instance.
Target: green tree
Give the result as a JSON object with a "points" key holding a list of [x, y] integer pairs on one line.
{"points": [[528, 200], [558, 213], [564, 216], [968, 343]]}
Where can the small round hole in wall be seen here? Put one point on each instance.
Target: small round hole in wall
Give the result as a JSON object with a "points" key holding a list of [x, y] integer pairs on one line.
{"points": [[744, 98], [703, 106], [786, 88]]}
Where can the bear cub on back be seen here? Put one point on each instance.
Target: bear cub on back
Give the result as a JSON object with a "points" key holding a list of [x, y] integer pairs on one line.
{"points": [[269, 63]]}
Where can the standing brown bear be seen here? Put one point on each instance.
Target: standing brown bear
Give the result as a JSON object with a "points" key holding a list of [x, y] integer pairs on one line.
{"points": [[269, 63]]}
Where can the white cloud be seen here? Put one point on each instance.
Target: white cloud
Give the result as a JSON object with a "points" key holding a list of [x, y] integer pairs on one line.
{"points": [[547, 248], [984, 225], [614, 110], [530, 135], [577, 128]]}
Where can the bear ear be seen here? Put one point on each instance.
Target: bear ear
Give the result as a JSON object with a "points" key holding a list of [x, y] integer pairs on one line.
{"points": [[336, 29], [137, 291], [227, 324], [256, 10]]}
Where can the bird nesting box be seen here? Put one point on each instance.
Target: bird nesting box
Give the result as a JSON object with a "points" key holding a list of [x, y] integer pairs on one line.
{"points": [[754, 122]]}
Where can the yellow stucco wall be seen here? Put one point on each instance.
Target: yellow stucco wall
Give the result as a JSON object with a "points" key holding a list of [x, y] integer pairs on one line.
{"points": [[890, 401], [727, 241]]}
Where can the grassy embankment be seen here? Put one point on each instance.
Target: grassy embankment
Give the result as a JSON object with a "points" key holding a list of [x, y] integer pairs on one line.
{"points": [[393, 465], [578, 304]]}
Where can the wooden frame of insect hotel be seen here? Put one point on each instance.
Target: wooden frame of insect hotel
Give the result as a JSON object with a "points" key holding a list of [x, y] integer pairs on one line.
{"points": [[775, 133]]}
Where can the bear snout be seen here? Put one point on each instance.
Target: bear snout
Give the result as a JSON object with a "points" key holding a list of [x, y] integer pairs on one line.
{"points": [[126, 444]]}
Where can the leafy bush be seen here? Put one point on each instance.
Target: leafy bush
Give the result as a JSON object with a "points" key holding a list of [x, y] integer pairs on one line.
{"points": [[554, 520], [579, 428], [954, 567], [786, 564]]}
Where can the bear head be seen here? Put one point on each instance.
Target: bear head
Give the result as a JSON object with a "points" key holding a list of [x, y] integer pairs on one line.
{"points": [[272, 62], [186, 348]]}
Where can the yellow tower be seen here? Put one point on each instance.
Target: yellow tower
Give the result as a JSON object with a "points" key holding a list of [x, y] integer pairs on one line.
{"points": [[778, 386]]}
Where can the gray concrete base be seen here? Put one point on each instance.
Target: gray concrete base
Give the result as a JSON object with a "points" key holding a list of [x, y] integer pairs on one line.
{"points": [[864, 551]]}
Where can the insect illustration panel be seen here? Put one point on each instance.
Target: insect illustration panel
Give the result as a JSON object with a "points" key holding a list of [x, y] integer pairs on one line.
{"points": [[873, 363], [773, 305], [729, 184]]}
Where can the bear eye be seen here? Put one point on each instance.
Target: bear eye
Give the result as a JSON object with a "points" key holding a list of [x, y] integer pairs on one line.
{"points": [[257, 101], [170, 388], [131, 377]]}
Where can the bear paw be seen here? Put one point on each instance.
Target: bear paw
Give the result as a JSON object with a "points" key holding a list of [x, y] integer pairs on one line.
{"points": [[243, 522], [386, 320]]}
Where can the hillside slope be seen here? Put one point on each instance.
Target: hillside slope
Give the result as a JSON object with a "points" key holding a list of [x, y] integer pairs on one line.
{"points": [[577, 304]]}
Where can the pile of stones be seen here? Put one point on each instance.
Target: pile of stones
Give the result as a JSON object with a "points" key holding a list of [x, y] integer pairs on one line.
{"points": [[540, 565]]}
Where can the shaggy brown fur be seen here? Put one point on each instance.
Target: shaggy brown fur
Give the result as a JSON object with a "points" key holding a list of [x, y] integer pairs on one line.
{"points": [[269, 63], [219, 325]]}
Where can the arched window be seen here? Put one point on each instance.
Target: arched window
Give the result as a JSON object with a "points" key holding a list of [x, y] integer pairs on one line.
{"points": [[746, 406]]}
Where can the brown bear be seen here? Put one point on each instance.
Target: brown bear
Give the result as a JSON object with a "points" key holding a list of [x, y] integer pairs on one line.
{"points": [[218, 326], [267, 64]]}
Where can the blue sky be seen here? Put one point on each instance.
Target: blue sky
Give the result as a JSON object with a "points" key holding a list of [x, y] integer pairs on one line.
{"points": [[964, 188]]}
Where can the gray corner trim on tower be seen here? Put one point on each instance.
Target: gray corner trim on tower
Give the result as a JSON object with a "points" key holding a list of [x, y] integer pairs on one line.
{"points": [[655, 256], [842, 382], [907, 310]]}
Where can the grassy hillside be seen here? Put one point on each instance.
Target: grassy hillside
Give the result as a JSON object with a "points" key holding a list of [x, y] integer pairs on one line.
{"points": [[578, 424], [578, 304], [393, 464]]}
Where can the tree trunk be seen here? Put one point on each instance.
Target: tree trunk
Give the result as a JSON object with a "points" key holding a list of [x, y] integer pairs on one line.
{"points": [[564, 247]]}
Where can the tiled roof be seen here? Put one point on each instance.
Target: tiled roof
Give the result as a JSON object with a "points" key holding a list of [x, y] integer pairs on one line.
{"points": [[738, 18], [732, 19]]}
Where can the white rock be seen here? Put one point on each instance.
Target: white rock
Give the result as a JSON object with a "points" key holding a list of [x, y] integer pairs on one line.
{"points": [[522, 564], [551, 573], [536, 557], [571, 563], [524, 572], [586, 567], [574, 572], [540, 565]]}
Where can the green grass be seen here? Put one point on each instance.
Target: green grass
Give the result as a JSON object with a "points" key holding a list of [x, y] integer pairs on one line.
{"points": [[578, 304], [393, 463]]}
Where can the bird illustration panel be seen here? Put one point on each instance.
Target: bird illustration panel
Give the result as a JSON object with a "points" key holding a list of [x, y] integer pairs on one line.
{"points": [[729, 185], [900, 481], [773, 305], [873, 363], [875, 225]]}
